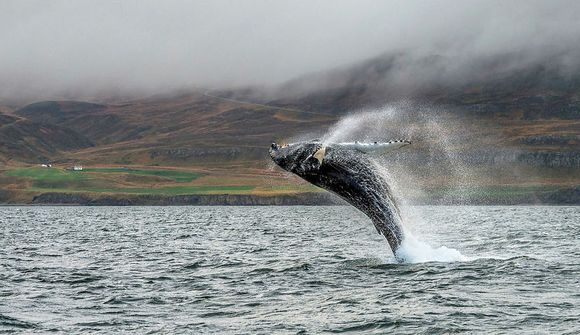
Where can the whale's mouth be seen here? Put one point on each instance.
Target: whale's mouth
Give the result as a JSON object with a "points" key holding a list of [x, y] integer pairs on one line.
{"points": [[277, 155], [290, 157], [274, 147]]}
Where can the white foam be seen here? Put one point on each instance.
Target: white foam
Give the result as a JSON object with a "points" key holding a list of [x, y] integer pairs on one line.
{"points": [[415, 251]]}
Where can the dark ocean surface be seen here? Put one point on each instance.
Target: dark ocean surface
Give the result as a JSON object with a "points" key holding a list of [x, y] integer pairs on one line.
{"points": [[288, 270]]}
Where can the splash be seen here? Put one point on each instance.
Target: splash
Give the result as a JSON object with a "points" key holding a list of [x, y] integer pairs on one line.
{"points": [[413, 250], [361, 126], [435, 149]]}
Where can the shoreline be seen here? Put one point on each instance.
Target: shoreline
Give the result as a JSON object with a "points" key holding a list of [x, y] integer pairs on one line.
{"points": [[564, 197]]}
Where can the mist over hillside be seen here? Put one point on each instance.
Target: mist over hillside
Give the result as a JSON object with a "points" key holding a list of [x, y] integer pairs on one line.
{"points": [[491, 86], [85, 49]]}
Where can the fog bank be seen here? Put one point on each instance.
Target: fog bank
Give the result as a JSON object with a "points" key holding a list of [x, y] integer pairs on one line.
{"points": [[99, 48]]}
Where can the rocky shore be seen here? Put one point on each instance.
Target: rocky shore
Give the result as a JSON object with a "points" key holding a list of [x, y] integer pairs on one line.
{"points": [[183, 200], [564, 196]]}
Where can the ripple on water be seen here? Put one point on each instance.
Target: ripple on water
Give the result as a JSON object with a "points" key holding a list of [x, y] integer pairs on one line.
{"points": [[286, 270], [10, 322]]}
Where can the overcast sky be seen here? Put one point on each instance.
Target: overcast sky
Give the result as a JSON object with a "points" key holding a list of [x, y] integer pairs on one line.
{"points": [[90, 47]]}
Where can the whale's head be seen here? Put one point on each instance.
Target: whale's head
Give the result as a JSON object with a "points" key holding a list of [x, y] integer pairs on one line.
{"points": [[298, 158]]}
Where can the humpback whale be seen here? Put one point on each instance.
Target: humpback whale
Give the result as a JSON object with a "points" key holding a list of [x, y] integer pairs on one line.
{"points": [[346, 170]]}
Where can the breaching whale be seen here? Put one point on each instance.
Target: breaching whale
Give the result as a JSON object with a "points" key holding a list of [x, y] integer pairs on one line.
{"points": [[345, 169]]}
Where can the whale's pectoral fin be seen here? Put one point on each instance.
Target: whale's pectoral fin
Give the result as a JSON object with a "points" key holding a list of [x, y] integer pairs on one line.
{"points": [[374, 147], [392, 145]]}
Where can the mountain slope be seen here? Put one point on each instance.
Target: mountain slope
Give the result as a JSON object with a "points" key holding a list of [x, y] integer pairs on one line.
{"points": [[28, 141], [517, 128]]}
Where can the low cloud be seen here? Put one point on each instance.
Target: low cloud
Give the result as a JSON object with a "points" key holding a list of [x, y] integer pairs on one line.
{"points": [[96, 48]]}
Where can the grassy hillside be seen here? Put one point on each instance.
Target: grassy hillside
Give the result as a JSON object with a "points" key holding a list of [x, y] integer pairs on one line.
{"points": [[516, 136], [143, 181]]}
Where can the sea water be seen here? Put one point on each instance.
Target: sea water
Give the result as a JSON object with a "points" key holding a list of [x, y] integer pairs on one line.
{"points": [[287, 270]]}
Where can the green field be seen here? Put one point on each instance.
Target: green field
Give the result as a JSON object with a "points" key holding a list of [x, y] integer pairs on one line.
{"points": [[110, 180], [175, 190], [121, 180], [46, 174], [178, 176]]}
